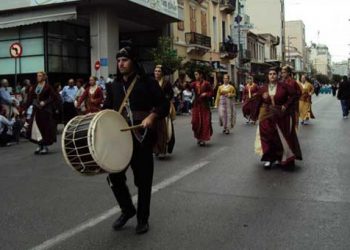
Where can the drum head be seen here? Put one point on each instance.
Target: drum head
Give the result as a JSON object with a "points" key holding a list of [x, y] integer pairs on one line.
{"points": [[111, 148]]}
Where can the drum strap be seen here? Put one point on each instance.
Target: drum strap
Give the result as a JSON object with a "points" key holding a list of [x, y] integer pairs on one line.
{"points": [[128, 92]]}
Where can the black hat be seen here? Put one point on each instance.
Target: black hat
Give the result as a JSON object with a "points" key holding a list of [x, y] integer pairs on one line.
{"points": [[126, 50]]}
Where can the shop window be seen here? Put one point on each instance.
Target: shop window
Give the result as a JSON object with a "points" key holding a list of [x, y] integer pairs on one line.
{"points": [[55, 64], [5, 48], [33, 46], [54, 46], [32, 64], [83, 66], [69, 65], [7, 66]]}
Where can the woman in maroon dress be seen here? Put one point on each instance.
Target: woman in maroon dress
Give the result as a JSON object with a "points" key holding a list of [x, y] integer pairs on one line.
{"points": [[201, 115], [42, 126], [249, 103], [92, 96], [276, 139], [287, 78]]}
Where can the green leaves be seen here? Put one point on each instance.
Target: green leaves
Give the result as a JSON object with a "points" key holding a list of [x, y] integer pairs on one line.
{"points": [[165, 55]]}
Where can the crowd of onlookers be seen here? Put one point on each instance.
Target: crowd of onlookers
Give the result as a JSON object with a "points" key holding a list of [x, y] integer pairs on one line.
{"points": [[15, 112]]}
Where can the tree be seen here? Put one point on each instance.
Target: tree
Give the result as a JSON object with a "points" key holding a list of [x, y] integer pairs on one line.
{"points": [[166, 56], [336, 78], [191, 66], [322, 78]]}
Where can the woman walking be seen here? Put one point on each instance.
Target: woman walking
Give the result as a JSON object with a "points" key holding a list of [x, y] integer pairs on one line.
{"points": [[305, 111], [42, 126], [276, 139], [92, 97], [226, 106], [248, 106], [201, 114], [164, 127]]}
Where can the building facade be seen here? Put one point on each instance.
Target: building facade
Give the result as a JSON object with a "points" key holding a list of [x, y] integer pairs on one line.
{"points": [[341, 68], [295, 40], [203, 35], [66, 38], [321, 59], [268, 17]]}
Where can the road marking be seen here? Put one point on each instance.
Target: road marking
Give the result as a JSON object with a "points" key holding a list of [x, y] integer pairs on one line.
{"points": [[109, 213]]}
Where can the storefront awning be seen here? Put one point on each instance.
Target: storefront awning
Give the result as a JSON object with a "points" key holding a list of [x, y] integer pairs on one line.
{"points": [[32, 16]]}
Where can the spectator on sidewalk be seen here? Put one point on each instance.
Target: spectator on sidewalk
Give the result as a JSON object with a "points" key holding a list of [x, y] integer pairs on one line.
{"points": [[344, 96], [5, 126], [7, 102], [69, 94]]}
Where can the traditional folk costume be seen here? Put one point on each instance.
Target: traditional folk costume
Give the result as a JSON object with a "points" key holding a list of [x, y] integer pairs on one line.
{"points": [[249, 104], [164, 127], [305, 112], [276, 138], [295, 86], [93, 98], [146, 97], [201, 114], [42, 125], [226, 106]]}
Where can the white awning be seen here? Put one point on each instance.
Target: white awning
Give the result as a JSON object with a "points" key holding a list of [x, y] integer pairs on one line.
{"points": [[27, 17]]}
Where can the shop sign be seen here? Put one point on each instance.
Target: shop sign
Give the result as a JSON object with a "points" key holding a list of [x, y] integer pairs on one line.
{"points": [[167, 7], [16, 4]]}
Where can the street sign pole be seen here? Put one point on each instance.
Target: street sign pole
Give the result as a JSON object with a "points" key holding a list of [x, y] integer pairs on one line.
{"points": [[15, 71]]}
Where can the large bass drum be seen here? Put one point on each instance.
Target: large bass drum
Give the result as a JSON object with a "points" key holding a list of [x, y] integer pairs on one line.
{"points": [[94, 143]]}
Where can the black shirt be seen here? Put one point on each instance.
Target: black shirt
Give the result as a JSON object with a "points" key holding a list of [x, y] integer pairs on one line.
{"points": [[146, 96]]}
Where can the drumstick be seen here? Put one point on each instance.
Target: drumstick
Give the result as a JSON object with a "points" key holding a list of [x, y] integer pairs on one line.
{"points": [[131, 128]]}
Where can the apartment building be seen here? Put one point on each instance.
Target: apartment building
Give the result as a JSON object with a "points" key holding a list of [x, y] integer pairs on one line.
{"points": [[321, 59], [67, 37], [268, 17], [203, 35], [295, 40]]}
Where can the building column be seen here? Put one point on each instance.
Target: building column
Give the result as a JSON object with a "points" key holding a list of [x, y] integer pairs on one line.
{"points": [[104, 35]]}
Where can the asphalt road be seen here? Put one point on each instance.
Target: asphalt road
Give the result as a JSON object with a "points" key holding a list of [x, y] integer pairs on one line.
{"points": [[216, 197]]}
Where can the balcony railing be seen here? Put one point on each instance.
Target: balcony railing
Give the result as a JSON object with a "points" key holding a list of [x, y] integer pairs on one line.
{"points": [[227, 6], [228, 50], [193, 38], [246, 56]]}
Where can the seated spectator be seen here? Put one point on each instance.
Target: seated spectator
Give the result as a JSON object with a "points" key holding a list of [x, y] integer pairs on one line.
{"points": [[6, 131]]}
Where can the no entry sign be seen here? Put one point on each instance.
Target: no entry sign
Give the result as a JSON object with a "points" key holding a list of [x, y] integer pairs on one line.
{"points": [[97, 65], [16, 50]]}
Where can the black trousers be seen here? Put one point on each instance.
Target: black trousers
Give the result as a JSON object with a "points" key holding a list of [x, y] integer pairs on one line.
{"points": [[142, 166], [69, 111]]}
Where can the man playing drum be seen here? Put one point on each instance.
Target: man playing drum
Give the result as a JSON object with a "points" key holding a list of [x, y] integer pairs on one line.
{"points": [[144, 106]]}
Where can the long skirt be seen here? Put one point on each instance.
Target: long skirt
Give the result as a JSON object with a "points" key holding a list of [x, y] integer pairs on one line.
{"points": [[249, 109], [42, 127], [276, 140], [201, 122], [305, 111], [165, 136], [227, 112]]}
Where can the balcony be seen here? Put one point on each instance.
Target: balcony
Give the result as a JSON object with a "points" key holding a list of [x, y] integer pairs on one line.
{"points": [[227, 6], [228, 50], [246, 56], [197, 43]]}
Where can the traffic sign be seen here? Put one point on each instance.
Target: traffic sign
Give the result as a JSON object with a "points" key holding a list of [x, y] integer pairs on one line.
{"points": [[16, 50], [97, 65]]}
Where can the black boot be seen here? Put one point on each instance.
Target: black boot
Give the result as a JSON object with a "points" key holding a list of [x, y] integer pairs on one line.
{"points": [[122, 194], [123, 219], [142, 227]]}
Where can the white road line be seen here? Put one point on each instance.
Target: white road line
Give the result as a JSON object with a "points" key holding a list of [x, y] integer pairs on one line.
{"points": [[109, 213]]}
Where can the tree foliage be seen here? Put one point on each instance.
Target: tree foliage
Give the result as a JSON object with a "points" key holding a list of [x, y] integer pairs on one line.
{"points": [[166, 56], [322, 78], [336, 78], [191, 66]]}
